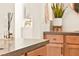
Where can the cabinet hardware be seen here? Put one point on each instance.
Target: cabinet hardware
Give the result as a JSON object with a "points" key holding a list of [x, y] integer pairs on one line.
{"points": [[54, 39]]}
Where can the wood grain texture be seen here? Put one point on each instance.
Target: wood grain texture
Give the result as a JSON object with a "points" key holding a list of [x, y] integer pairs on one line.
{"points": [[54, 50], [72, 39], [38, 52], [55, 38], [72, 50], [66, 44], [55, 46]]}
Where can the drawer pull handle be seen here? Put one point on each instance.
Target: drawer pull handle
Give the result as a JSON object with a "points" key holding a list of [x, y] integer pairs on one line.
{"points": [[54, 39]]}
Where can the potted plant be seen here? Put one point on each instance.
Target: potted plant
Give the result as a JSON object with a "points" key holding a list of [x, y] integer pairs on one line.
{"points": [[58, 12]]}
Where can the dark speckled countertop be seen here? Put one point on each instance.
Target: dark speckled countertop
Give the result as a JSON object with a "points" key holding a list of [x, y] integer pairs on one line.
{"points": [[62, 33], [27, 46]]}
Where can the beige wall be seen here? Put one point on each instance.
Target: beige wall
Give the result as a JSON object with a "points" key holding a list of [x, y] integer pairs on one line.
{"points": [[70, 20], [36, 11], [4, 9]]}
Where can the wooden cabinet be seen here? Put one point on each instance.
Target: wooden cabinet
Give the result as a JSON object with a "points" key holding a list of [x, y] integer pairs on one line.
{"points": [[42, 51], [65, 44], [54, 38], [60, 43], [55, 46], [72, 45], [72, 39], [54, 49], [72, 50]]}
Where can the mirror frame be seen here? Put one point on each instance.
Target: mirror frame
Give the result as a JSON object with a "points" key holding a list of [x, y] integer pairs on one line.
{"points": [[75, 7]]}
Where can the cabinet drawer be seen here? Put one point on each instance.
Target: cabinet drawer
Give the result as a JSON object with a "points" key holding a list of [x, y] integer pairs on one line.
{"points": [[72, 46], [55, 38], [72, 39]]}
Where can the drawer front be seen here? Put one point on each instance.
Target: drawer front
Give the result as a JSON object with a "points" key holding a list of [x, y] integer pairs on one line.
{"points": [[55, 38], [72, 39], [72, 46]]}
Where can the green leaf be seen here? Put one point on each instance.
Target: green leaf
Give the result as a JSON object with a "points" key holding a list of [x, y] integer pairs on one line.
{"points": [[57, 10]]}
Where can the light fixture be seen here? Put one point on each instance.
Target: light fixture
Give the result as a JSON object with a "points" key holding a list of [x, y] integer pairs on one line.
{"points": [[28, 22]]}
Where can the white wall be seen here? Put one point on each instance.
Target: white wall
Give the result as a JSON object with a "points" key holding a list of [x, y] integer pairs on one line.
{"points": [[4, 9], [39, 20], [70, 20], [36, 12], [19, 16]]}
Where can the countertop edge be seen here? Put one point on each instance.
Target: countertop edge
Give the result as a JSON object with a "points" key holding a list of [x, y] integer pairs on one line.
{"points": [[26, 49], [62, 33]]}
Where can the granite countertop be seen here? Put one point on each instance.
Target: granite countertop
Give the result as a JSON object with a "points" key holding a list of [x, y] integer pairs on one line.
{"points": [[27, 46], [63, 33]]}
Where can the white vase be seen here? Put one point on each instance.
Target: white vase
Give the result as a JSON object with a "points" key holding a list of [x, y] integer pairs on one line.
{"points": [[57, 22]]}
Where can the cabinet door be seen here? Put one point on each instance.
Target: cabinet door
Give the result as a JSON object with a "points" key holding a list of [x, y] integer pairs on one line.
{"points": [[33, 53], [38, 52], [54, 49], [72, 50]]}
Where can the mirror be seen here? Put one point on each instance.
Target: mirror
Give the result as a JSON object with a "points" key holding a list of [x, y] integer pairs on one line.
{"points": [[75, 7]]}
